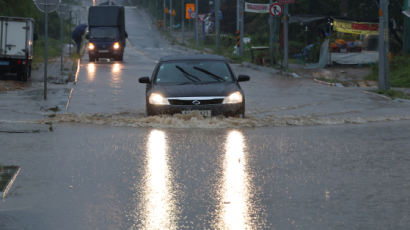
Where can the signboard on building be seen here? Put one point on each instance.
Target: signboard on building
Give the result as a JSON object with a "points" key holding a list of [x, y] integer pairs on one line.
{"points": [[354, 27], [257, 8]]}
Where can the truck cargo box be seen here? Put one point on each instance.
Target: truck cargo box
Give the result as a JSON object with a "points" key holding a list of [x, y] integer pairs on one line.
{"points": [[16, 37], [106, 16], [16, 46]]}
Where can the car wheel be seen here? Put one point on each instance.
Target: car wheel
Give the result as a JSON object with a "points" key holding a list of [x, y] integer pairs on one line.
{"points": [[148, 110]]}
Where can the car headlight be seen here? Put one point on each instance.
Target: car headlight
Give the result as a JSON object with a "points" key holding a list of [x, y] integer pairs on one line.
{"points": [[157, 99], [91, 46], [233, 98], [116, 45]]}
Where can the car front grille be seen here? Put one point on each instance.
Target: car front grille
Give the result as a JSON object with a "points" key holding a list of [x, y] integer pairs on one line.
{"points": [[195, 101]]}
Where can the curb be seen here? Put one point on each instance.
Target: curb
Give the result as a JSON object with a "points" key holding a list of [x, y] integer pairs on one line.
{"points": [[324, 82], [376, 94], [257, 67]]}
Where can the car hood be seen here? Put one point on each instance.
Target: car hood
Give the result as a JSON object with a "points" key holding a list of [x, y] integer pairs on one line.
{"points": [[196, 90]]}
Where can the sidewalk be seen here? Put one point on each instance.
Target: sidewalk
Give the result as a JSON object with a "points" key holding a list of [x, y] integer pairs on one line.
{"points": [[21, 101]]}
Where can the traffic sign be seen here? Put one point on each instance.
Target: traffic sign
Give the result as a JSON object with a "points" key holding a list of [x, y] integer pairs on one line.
{"points": [[284, 2], [47, 6], [201, 17], [276, 9], [189, 8]]}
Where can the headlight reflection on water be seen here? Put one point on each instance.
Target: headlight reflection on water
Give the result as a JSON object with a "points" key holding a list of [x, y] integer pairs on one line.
{"points": [[234, 193], [116, 68], [91, 72], [159, 203]]}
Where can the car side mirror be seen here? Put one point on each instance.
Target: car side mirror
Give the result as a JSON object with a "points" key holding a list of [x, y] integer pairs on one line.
{"points": [[144, 80], [243, 78], [87, 36]]}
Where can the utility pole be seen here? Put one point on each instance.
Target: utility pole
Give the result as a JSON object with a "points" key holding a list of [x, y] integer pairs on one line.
{"points": [[384, 67], [242, 26], [183, 20], [285, 33], [271, 36], [45, 49], [61, 13], [196, 23], [165, 15], [217, 29], [239, 27], [170, 16]]}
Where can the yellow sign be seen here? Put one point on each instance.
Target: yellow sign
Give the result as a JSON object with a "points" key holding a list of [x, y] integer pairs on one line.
{"points": [[189, 9], [174, 13], [353, 27]]}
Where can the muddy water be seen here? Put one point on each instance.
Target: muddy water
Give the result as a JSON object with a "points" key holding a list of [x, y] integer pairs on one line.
{"points": [[195, 120]]}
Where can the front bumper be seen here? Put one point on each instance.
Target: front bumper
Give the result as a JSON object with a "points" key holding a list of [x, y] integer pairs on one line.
{"points": [[104, 53], [216, 109]]}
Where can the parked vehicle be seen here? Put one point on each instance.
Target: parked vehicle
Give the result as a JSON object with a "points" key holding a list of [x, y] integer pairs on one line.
{"points": [[204, 83], [107, 35], [16, 46]]}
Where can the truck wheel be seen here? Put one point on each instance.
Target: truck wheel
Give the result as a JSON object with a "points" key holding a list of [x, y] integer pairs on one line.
{"points": [[120, 57], [25, 73], [92, 58]]}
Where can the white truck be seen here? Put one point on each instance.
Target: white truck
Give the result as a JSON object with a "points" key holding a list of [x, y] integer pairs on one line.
{"points": [[16, 46]]}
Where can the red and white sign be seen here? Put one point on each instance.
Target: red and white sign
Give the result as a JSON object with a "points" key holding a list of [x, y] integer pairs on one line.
{"points": [[201, 17], [276, 9], [256, 8], [284, 2]]}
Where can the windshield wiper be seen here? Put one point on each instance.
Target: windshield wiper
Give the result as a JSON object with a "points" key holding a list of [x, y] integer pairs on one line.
{"points": [[188, 75], [214, 76]]}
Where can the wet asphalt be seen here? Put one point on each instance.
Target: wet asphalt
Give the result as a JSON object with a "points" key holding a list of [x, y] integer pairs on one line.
{"points": [[307, 156]]}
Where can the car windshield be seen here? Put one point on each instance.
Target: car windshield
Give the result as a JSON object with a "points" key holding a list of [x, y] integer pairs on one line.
{"points": [[201, 72], [104, 32]]}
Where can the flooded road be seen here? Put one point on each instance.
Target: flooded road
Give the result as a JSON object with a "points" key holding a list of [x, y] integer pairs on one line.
{"points": [[307, 156], [322, 177]]}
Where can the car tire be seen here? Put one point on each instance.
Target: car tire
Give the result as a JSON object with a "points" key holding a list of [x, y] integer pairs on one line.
{"points": [[148, 110]]}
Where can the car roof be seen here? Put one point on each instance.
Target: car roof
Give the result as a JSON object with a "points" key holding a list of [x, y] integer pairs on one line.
{"points": [[192, 57]]}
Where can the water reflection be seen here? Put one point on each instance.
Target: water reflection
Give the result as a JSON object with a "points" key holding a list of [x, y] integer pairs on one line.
{"points": [[91, 72], [159, 203], [115, 76], [116, 68], [235, 195]]}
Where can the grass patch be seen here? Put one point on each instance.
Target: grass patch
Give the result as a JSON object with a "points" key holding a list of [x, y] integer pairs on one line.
{"points": [[54, 49], [393, 94], [399, 72]]}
